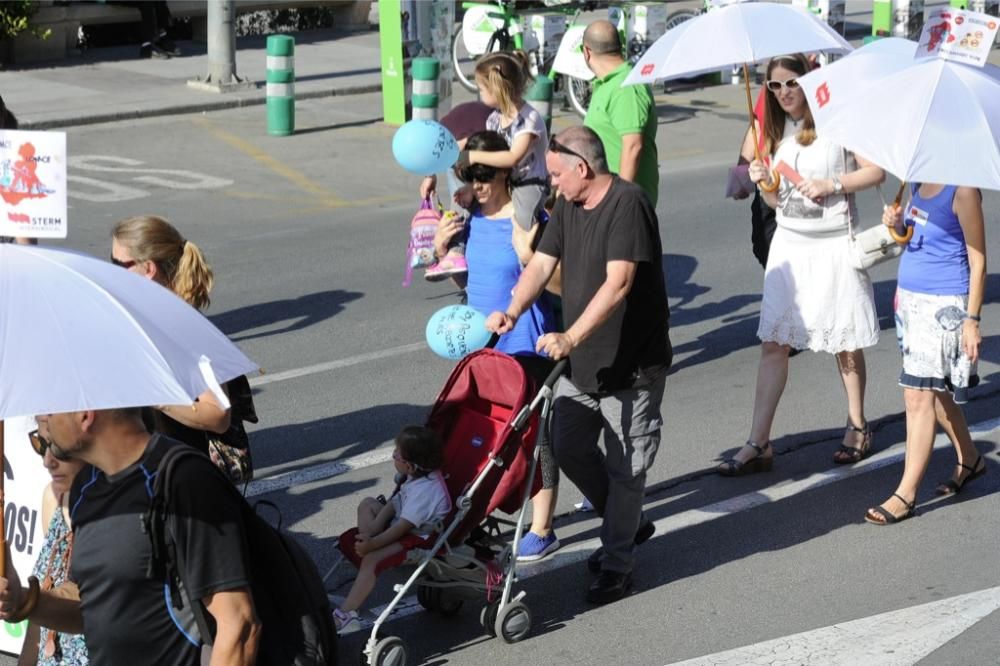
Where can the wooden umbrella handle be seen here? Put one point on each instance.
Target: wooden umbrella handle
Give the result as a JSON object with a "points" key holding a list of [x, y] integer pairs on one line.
{"points": [[904, 238], [775, 182]]}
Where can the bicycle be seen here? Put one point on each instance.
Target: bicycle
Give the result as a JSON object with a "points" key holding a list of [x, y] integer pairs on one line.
{"points": [[496, 26]]}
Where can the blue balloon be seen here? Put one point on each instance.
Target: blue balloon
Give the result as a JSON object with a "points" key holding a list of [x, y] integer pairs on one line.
{"points": [[457, 330], [424, 147]]}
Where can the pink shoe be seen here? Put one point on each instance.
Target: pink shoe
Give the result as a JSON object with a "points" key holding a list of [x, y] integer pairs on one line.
{"points": [[450, 266]]}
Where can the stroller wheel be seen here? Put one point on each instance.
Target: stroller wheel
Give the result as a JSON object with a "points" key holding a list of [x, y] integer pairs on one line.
{"points": [[488, 618], [513, 622], [390, 651]]}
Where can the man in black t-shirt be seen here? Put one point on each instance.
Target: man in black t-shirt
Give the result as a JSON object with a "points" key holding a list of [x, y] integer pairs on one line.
{"points": [[126, 617], [605, 233]]}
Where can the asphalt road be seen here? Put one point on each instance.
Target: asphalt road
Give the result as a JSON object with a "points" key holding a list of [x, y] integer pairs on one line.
{"points": [[307, 236]]}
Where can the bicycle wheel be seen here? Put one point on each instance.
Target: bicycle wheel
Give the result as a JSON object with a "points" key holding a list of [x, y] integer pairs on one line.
{"points": [[463, 62], [578, 92], [681, 15]]}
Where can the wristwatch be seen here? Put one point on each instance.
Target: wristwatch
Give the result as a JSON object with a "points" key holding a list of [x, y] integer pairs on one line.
{"points": [[838, 187]]}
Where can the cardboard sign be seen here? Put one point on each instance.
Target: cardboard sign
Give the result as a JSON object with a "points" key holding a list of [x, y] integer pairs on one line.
{"points": [[958, 35], [25, 480], [33, 184]]}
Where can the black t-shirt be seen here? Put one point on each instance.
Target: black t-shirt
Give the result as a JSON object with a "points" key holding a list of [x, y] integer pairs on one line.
{"points": [[127, 617], [631, 348]]}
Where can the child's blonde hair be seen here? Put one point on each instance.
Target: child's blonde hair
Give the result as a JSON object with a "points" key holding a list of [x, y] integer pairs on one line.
{"points": [[506, 75]]}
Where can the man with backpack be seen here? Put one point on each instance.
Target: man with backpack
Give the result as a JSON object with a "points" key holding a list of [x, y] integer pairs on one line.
{"points": [[167, 557]]}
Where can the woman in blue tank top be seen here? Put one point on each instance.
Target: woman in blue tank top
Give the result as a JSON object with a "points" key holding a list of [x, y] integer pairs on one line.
{"points": [[939, 295], [496, 253]]}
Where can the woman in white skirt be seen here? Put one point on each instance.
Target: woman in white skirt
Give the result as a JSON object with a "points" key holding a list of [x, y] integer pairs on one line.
{"points": [[942, 279], [813, 297]]}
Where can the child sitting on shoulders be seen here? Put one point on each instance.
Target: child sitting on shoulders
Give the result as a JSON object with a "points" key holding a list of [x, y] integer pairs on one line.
{"points": [[385, 529]]}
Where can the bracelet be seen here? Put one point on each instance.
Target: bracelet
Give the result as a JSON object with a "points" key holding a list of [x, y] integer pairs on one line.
{"points": [[973, 317], [30, 601]]}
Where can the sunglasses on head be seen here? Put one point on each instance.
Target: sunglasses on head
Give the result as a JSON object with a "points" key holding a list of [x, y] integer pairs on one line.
{"points": [[123, 264], [556, 147], [774, 85]]}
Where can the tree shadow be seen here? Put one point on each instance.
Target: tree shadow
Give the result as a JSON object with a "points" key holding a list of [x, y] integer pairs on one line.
{"points": [[301, 312]]}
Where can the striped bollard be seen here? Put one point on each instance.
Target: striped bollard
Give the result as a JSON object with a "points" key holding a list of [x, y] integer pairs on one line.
{"points": [[280, 85], [425, 73], [539, 96]]}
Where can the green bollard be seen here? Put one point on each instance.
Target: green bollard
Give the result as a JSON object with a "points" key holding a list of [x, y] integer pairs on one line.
{"points": [[425, 73], [280, 85], [539, 96]]}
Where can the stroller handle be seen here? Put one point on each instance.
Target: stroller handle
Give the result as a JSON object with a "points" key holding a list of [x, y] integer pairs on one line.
{"points": [[556, 373], [492, 342]]}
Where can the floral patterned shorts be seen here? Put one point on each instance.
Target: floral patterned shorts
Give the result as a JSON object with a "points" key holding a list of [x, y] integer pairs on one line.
{"points": [[929, 331]]}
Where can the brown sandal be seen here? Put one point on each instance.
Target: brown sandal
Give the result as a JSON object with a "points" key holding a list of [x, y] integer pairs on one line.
{"points": [[848, 455], [733, 467]]}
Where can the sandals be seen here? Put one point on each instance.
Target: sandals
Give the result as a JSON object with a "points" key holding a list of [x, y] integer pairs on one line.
{"points": [[848, 455], [952, 487], [881, 516], [733, 467]]}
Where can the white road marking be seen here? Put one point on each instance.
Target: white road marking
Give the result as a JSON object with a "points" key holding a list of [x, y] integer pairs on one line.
{"points": [[897, 638], [318, 472], [573, 553], [263, 380]]}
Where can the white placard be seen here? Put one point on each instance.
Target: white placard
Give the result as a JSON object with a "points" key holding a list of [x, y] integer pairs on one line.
{"points": [[477, 28], [33, 184], [958, 35], [569, 58], [25, 478]]}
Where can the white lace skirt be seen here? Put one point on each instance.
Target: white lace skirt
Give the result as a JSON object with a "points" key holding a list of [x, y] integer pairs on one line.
{"points": [[813, 297]]}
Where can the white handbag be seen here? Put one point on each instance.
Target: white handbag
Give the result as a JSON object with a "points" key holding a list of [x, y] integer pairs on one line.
{"points": [[871, 246]]}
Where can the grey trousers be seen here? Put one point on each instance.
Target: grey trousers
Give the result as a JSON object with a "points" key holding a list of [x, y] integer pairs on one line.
{"points": [[614, 480]]}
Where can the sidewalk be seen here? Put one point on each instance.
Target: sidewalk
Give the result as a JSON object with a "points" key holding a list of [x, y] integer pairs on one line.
{"points": [[113, 84]]}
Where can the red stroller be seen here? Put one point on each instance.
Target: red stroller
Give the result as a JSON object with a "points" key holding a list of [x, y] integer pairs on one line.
{"points": [[489, 417]]}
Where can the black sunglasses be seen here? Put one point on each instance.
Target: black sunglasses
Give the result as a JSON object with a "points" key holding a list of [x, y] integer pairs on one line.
{"points": [[123, 264], [556, 147], [39, 443]]}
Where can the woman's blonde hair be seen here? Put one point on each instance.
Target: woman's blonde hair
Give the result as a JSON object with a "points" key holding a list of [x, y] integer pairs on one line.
{"points": [[774, 115], [180, 263], [506, 75]]}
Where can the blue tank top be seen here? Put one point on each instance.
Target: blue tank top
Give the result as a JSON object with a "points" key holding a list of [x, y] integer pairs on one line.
{"points": [[493, 271], [936, 260]]}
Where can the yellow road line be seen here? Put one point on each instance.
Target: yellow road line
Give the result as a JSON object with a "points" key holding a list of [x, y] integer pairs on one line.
{"points": [[302, 181]]}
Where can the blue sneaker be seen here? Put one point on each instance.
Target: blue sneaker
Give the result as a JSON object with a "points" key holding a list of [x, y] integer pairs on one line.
{"points": [[534, 547]]}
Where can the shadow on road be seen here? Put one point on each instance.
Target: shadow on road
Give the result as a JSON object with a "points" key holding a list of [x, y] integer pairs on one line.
{"points": [[299, 313]]}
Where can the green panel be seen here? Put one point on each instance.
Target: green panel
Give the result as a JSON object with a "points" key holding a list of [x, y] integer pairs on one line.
{"points": [[882, 18], [960, 4], [393, 73]]}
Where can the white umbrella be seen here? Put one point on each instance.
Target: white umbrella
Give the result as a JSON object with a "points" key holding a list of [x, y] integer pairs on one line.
{"points": [[78, 333], [925, 120], [740, 33]]}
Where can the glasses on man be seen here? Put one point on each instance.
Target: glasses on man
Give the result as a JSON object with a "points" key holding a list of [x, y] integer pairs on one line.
{"points": [[556, 147], [38, 443], [774, 85], [123, 264]]}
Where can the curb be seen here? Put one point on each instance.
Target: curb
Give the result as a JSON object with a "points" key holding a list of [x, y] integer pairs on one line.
{"points": [[185, 109]]}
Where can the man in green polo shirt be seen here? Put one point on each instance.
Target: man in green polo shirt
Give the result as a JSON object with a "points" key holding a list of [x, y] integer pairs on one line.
{"points": [[624, 117]]}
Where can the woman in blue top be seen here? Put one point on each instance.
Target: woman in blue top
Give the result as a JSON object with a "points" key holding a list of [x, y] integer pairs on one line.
{"points": [[496, 256], [942, 277]]}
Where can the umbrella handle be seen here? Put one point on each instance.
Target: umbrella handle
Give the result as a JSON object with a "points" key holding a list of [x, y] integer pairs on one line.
{"points": [[773, 184], [904, 238]]}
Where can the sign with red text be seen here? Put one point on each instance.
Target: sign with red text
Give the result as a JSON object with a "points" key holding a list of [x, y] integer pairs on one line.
{"points": [[25, 478], [958, 35], [33, 184]]}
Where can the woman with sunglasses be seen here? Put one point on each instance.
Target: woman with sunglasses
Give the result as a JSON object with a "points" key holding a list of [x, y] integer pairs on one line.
{"points": [[41, 645], [495, 259], [151, 247], [813, 298]]}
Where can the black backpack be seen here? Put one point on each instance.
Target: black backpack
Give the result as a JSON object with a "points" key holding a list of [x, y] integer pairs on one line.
{"points": [[287, 590]]}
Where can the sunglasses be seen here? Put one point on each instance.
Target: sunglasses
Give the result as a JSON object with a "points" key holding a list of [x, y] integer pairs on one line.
{"points": [[478, 173], [774, 85], [556, 147], [39, 443], [123, 264]]}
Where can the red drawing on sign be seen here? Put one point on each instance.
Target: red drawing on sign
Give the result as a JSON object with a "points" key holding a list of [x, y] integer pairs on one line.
{"points": [[822, 95], [959, 20], [937, 34], [19, 217], [25, 183], [647, 69]]}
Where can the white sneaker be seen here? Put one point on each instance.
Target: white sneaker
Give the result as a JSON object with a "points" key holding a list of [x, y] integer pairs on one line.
{"points": [[346, 622]]}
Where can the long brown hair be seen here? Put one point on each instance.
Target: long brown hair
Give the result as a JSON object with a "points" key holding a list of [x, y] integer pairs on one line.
{"points": [[179, 261], [506, 75], [774, 115]]}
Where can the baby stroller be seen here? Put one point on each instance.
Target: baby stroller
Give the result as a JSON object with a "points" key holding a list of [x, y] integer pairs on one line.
{"points": [[489, 418]]}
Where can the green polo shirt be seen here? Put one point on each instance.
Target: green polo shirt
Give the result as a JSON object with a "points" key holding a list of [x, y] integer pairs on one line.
{"points": [[617, 110]]}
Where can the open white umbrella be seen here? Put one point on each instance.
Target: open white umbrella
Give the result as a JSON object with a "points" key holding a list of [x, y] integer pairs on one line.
{"points": [[738, 34], [79, 333], [925, 120]]}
